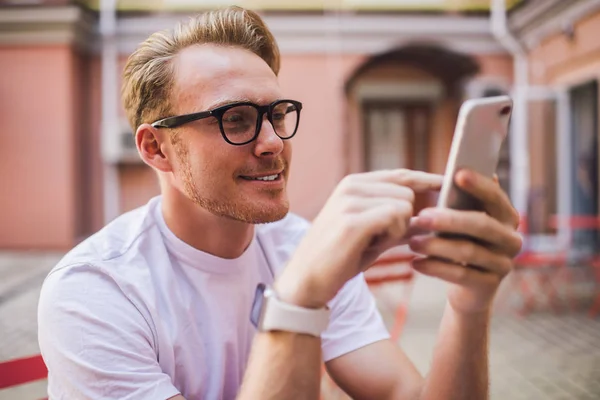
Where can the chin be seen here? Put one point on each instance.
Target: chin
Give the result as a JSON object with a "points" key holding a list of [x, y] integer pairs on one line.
{"points": [[271, 217], [263, 214], [250, 212]]}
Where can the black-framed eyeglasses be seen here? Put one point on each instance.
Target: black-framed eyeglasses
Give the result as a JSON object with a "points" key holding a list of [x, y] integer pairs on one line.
{"points": [[240, 122]]}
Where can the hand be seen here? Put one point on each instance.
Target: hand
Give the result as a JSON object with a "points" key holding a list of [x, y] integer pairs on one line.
{"points": [[366, 214], [474, 267]]}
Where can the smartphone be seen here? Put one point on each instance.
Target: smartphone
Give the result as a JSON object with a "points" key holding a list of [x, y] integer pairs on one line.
{"points": [[481, 128]]}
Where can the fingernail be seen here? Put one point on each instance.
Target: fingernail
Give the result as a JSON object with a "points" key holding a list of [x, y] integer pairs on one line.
{"points": [[424, 221], [419, 263], [465, 176], [426, 217], [416, 241], [428, 212]]}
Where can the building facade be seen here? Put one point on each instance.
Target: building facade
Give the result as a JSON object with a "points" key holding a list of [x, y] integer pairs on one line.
{"points": [[381, 84]]}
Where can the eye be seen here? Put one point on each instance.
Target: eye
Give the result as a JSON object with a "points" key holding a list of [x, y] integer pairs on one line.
{"points": [[232, 117], [278, 116]]}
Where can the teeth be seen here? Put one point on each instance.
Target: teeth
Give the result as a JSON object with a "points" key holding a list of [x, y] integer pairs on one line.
{"points": [[267, 178]]}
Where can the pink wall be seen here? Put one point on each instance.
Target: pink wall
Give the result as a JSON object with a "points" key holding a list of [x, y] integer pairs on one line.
{"points": [[138, 184], [92, 126], [36, 157], [319, 158], [569, 61], [495, 65]]}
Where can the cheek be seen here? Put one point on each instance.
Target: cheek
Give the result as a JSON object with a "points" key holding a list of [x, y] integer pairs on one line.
{"points": [[211, 163], [287, 153]]}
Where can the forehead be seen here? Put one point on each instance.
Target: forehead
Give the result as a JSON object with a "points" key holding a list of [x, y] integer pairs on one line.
{"points": [[206, 75]]}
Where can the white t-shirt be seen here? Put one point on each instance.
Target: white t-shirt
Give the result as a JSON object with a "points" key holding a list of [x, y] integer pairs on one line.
{"points": [[135, 313]]}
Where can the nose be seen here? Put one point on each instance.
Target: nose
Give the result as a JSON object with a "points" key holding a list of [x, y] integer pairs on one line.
{"points": [[267, 142]]}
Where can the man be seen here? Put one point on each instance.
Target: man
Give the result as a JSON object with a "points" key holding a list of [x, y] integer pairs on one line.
{"points": [[159, 303]]}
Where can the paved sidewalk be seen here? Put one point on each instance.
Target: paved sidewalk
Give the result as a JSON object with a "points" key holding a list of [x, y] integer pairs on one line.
{"points": [[541, 356], [21, 276]]}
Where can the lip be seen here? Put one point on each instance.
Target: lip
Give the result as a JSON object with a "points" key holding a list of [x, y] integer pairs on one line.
{"points": [[263, 175], [278, 182]]}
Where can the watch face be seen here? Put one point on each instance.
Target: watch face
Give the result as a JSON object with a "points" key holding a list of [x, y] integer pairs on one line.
{"points": [[257, 305]]}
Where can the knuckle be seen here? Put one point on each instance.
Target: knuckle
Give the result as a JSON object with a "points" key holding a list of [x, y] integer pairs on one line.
{"points": [[407, 176], [462, 275], [468, 251], [515, 218], [494, 280], [347, 205], [507, 266], [482, 223], [410, 194], [392, 209], [347, 183], [347, 226], [404, 209], [518, 244]]}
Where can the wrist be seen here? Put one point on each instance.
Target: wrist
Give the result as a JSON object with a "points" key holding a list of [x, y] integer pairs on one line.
{"points": [[470, 315], [299, 292]]}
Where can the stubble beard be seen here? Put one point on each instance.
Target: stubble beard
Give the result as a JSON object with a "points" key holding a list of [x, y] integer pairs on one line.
{"points": [[242, 210]]}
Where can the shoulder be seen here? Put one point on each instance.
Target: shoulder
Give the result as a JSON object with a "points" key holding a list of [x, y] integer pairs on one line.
{"points": [[117, 237], [113, 260]]}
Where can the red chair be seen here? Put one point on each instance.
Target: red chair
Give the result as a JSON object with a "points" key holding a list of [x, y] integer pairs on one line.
{"points": [[549, 267], [595, 308], [586, 222], [535, 272], [22, 370]]}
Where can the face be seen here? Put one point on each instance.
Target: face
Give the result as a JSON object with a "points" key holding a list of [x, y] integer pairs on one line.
{"points": [[222, 178]]}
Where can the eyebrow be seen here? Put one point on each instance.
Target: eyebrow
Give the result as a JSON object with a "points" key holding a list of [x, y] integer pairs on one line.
{"points": [[231, 100], [226, 101]]}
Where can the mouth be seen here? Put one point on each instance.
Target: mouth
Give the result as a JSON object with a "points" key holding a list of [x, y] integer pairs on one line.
{"points": [[269, 177]]}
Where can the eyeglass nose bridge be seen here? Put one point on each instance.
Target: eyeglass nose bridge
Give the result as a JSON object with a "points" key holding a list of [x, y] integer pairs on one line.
{"points": [[261, 111]]}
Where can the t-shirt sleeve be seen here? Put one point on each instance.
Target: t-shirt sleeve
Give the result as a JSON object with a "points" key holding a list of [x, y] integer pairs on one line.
{"points": [[355, 321], [95, 342]]}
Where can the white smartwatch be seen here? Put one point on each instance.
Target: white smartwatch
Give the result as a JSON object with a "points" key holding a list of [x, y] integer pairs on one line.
{"points": [[272, 314]]}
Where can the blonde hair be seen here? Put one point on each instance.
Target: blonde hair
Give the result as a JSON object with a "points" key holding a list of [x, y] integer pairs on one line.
{"points": [[148, 74]]}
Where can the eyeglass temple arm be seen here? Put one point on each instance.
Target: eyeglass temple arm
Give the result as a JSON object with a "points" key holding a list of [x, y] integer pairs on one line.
{"points": [[173, 122]]}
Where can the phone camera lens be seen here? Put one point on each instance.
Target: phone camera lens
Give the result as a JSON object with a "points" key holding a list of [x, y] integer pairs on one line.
{"points": [[505, 111]]}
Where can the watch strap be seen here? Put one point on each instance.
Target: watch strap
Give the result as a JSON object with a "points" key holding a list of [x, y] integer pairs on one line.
{"points": [[282, 316]]}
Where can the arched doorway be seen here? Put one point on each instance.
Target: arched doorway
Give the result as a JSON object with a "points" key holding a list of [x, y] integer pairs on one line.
{"points": [[402, 108]]}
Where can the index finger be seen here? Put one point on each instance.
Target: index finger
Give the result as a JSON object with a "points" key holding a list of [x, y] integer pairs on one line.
{"points": [[495, 200], [418, 181]]}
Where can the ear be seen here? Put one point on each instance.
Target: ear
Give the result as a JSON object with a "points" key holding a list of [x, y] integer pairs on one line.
{"points": [[150, 143]]}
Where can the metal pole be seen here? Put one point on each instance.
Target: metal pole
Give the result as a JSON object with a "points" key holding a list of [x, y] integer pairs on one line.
{"points": [[109, 125], [519, 140]]}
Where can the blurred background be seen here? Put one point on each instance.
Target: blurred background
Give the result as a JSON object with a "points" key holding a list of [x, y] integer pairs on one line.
{"points": [[381, 82]]}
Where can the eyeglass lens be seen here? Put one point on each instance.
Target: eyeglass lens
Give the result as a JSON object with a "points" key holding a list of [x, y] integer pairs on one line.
{"points": [[239, 123]]}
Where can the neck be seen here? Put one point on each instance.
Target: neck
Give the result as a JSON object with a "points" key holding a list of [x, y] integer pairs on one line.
{"points": [[220, 236]]}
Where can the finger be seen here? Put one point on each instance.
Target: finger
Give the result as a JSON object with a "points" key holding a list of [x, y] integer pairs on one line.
{"points": [[381, 190], [495, 200], [476, 225], [388, 231], [387, 243], [454, 273], [415, 229], [358, 204], [416, 180], [461, 252], [390, 219]]}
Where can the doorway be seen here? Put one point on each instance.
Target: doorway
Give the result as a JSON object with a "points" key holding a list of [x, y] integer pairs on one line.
{"points": [[584, 162], [397, 136]]}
